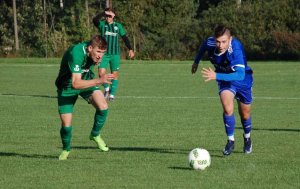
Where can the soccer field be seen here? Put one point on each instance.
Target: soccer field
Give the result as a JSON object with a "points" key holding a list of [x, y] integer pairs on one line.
{"points": [[161, 112]]}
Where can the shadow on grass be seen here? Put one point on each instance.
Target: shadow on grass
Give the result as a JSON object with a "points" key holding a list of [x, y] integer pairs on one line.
{"points": [[274, 129], [38, 96], [153, 150], [39, 156], [138, 149], [181, 168]]}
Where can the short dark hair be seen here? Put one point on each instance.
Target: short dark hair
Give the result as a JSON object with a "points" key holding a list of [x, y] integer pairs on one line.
{"points": [[109, 9], [221, 30], [98, 41]]}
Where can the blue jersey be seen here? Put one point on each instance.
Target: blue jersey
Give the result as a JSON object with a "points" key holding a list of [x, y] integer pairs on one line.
{"points": [[227, 62]]}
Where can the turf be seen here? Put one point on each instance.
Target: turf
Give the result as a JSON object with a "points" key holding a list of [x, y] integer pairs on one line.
{"points": [[161, 112]]}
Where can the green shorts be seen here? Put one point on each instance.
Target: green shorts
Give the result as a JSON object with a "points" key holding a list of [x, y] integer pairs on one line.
{"points": [[67, 97], [112, 60]]}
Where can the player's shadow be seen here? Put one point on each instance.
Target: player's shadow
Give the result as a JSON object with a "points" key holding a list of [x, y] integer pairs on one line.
{"points": [[274, 129], [152, 150], [38, 156], [37, 96], [139, 149]]}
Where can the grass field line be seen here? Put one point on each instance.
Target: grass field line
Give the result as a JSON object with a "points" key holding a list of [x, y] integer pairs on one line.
{"points": [[203, 97], [142, 64], [157, 97]]}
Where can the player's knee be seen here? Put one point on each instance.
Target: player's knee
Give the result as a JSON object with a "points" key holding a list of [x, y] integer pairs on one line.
{"points": [[245, 116], [66, 119], [228, 111], [103, 105]]}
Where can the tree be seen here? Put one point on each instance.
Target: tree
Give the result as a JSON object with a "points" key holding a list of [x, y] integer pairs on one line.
{"points": [[15, 26]]}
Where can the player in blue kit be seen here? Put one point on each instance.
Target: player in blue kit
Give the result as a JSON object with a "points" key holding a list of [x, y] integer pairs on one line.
{"points": [[234, 79]]}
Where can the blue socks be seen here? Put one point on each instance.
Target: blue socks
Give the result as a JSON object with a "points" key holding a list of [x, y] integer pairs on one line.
{"points": [[229, 123], [247, 126]]}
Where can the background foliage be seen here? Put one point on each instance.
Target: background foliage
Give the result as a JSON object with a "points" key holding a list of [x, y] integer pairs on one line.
{"points": [[169, 29]]}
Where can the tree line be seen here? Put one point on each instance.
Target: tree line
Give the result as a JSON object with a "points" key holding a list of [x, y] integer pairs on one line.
{"points": [[157, 29]]}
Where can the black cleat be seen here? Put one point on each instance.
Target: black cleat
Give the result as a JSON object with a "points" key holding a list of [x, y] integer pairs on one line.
{"points": [[247, 145], [228, 148], [111, 98]]}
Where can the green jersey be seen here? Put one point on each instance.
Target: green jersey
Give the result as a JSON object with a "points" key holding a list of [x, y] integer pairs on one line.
{"points": [[75, 60], [111, 33]]}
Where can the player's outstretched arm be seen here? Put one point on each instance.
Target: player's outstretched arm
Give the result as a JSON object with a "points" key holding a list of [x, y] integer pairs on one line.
{"points": [[131, 54], [127, 43], [208, 74], [194, 68]]}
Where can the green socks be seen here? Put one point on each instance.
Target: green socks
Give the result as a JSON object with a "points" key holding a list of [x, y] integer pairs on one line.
{"points": [[99, 120], [114, 86], [66, 136], [66, 131]]}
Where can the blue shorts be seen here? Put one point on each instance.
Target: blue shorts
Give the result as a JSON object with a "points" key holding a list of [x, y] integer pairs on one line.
{"points": [[242, 94]]}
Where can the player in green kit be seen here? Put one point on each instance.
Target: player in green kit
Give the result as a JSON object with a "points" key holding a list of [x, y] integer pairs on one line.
{"points": [[75, 78], [111, 30]]}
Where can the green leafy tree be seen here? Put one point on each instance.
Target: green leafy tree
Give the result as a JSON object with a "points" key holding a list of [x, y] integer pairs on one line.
{"points": [[260, 25], [6, 32]]}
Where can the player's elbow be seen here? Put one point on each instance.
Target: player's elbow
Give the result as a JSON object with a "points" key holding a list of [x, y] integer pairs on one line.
{"points": [[75, 85]]}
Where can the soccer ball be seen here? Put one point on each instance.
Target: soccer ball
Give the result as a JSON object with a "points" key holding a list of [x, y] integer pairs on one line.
{"points": [[199, 159]]}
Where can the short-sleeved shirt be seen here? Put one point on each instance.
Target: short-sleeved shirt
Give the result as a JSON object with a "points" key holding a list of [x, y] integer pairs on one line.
{"points": [[75, 60], [227, 62], [111, 33]]}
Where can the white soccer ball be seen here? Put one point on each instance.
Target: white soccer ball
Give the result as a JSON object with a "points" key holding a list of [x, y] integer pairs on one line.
{"points": [[199, 159]]}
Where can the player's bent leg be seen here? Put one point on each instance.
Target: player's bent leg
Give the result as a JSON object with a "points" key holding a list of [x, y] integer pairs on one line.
{"points": [[227, 98], [114, 86], [66, 119], [114, 67], [99, 120], [98, 101], [66, 135], [102, 71], [246, 120], [101, 106], [227, 101]]}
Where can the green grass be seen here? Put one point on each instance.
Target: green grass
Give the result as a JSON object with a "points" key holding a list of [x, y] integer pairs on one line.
{"points": [[160, 114]]}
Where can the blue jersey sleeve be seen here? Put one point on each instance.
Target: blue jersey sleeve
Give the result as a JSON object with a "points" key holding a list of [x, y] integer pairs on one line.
{"points": [[237, 75], [200, 53], [208, 44]]}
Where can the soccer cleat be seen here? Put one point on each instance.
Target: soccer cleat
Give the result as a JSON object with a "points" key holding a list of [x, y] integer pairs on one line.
{"points": [[228, 148], [64, 155], [100, 143], [111, 98], [247, 145]]}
